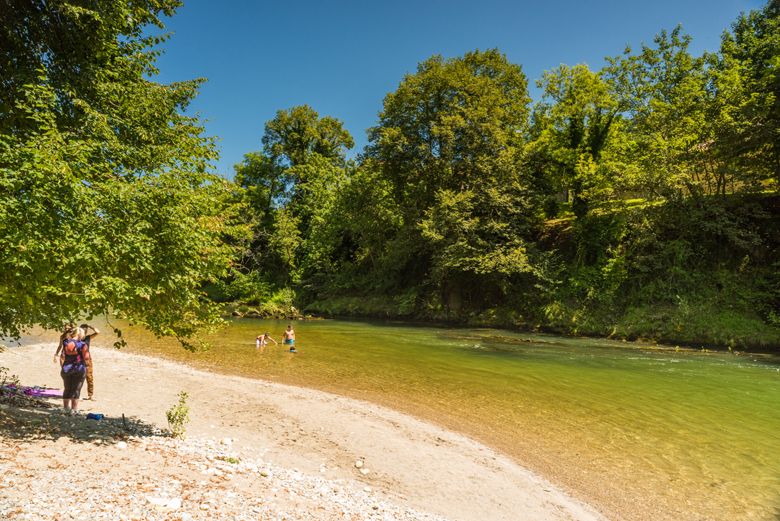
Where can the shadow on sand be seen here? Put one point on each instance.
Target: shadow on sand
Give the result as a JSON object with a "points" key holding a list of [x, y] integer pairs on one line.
{"points": [[39, 420]]}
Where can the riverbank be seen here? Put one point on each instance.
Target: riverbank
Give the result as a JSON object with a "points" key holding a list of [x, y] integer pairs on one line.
{"points": [[701, 328], [406, 464]]}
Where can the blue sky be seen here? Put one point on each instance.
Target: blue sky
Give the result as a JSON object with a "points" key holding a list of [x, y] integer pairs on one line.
{"points": [[343, 57]]}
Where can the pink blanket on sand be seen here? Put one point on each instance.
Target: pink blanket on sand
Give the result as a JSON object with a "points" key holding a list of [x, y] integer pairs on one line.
{"points": [[39, 392]]}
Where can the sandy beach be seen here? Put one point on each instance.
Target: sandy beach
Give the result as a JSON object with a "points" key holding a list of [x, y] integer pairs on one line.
{"points": [[292, 444]]}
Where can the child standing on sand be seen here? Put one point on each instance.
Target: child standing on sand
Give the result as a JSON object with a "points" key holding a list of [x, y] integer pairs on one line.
{"points": [[289, 338]]}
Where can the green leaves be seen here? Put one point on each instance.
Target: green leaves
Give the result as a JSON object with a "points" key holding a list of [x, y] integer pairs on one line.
{"points": [[448, 144], [451, 125], [746, 81], [106, 204], [294, 135], [577, 132]]}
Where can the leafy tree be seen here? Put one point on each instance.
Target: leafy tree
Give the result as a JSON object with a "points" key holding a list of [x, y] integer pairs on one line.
{"points": [[662, 93], [746, 82], [106, 206], [577, 132], [265, 182], [449, 142], [290, 186], [297, 133]]}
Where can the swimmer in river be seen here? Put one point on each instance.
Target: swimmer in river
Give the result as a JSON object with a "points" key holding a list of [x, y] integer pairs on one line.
{"points": [[262, 340]]}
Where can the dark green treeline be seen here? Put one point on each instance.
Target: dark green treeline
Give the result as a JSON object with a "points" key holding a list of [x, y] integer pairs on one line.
{"points": [[639, 200]]}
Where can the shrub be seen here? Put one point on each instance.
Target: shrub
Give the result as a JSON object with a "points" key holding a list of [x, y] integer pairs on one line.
{"points": [[178, 416], [247, 288]]}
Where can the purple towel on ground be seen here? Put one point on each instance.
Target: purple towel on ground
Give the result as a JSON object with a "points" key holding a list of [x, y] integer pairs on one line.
{"points": [[42, 392], [38, 392]]}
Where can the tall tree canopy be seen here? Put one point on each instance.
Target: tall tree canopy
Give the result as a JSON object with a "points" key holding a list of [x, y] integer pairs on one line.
{"points": [[662, 90], [449, 142], [577, 125], [746, 78], [291, 185], [105, 203], [294, 135]]}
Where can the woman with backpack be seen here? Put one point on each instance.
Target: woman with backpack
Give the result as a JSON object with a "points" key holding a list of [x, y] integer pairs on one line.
{"points": [[73, 362]]}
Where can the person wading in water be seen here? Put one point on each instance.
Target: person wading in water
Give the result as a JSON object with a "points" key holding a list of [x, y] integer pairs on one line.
{"points": [[262, 341], [289, 338]]}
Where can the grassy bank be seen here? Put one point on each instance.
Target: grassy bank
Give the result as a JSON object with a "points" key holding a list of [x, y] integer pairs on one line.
{"points": [[702, 272], [696, 272], [694, 326]]}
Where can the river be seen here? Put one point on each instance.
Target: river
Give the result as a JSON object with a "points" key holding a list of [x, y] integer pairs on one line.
{"points": [[643, 432]]}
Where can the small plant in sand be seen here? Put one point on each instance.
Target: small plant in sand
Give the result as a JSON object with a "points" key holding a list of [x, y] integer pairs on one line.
{"points": [[7, 379], [178, 416]]}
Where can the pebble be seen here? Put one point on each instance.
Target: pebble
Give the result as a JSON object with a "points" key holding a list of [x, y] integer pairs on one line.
{"points": [[147, 489]]}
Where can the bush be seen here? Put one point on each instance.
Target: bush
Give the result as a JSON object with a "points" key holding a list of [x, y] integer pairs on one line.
{"points": [[247, 288], [178, 416]]}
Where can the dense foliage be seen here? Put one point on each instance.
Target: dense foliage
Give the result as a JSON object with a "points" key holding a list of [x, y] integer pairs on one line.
{"points": [[638, 200], [105, 203]]}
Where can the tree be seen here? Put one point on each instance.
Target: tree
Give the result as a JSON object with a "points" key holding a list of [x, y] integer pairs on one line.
{"points": [[448, 141], [577, 124], [746, 82], [291, 185], [297, 133], [662, 94], [106, 206]]}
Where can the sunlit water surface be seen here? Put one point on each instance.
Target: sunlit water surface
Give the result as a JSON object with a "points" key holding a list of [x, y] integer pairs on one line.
{"points": [[645, 433]]}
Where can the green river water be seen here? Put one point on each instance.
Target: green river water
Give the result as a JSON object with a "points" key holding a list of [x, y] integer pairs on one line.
{"points": [[640, 431]]}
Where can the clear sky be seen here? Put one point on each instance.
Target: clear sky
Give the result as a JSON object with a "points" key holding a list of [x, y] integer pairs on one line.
{"points": [[342, 57]]}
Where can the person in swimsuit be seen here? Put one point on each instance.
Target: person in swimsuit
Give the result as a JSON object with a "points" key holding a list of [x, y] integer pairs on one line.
{"points": [[289, 338], [262, 340]]}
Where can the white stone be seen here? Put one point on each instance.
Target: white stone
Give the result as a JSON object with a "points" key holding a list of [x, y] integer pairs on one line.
{"points": [[121, 445], [358, 463], [157, 501]]}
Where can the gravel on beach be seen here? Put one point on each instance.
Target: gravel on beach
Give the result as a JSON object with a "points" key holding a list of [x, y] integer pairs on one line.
{"points": [[55, 466]]}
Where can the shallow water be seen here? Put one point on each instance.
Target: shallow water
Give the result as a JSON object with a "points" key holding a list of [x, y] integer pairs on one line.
{"points": [[646, 433]]}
